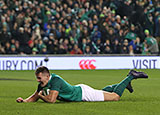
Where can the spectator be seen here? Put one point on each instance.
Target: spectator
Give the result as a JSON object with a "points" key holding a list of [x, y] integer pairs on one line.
{"points": [[151, 43], [28, 49], [2, 50], [61, 50], [116, 47], [40, 45], [157, 30], [144, 49], [107, 50], [51, 37], [87, 50], [125, 49], [71, 45], [13, 50], [111, 36], [61, 21], [44, 50], [66, 44], [76, 50], [107, 43], [7, 48], [18, 49], [138, 48], [95, 35], [99, 46], [34, 51], [23, 38], [4, 36]]}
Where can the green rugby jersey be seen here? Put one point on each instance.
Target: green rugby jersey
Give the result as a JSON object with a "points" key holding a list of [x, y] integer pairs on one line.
{"points": [[66, 91], [150, 40]]}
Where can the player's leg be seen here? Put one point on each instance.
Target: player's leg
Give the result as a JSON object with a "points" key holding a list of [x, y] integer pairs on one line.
{"points": [[108, 96], [110, 88], [119, 88], [90, 94]]}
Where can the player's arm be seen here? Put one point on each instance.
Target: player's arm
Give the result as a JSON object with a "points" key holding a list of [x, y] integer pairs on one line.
{"points": [[33, 98], [51, 98]]}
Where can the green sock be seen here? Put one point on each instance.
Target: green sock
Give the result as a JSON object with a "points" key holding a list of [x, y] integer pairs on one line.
{"points": [[109, 88], [119, 89]]}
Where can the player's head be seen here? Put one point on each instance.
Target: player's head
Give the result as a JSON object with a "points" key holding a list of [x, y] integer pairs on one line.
{"points": [[42, 69], [42, 73]]}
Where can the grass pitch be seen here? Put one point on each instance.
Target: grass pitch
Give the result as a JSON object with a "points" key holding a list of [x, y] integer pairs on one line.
{"points": [[145, 100]]}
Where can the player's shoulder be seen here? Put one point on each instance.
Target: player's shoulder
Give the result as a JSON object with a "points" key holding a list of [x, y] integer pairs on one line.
{"points": [[55, 76], [55, 79]]}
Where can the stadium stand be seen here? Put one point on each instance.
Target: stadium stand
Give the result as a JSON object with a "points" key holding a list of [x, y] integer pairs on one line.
{"points": [[79, 27]]}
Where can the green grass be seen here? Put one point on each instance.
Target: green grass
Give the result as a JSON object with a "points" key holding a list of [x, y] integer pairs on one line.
{"points": [[145, 100]]}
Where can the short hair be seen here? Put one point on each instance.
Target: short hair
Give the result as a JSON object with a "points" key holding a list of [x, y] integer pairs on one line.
{"points": [[42, 69]]}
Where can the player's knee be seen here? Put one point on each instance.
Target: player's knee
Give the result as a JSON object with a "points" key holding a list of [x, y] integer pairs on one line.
{"points": [[116, 97], [111, 96]]}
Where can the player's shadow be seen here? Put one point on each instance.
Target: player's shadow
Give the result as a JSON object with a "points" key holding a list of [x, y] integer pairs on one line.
{"points": [[61, 102]]}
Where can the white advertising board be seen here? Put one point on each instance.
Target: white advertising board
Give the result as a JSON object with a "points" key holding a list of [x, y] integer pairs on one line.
{"points": [[77, 63]]}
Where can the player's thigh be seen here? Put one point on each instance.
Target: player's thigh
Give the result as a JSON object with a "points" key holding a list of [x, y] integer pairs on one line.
{"points": [[111, 96]]}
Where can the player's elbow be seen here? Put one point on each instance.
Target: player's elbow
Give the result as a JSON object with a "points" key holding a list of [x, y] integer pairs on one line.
{"points": [[52, 101]]}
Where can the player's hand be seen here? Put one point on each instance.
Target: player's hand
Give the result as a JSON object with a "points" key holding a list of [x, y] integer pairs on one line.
{"points": [[19, 100], [40, 93]]}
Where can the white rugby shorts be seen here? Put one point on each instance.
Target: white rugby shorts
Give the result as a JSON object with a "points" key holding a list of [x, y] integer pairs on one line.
{"points": [[90, 94]]}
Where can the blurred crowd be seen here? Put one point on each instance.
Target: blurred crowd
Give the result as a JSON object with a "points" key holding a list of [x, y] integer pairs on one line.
{"points": [[79, 27]]}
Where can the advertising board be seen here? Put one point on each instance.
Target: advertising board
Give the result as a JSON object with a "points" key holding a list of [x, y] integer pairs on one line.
{"points": [[77, 63]]}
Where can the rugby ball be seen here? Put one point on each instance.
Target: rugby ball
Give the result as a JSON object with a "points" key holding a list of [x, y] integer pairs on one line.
{"points": [[45, 91]]}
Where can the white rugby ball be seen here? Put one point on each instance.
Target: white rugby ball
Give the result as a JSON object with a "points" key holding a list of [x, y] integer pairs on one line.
{"points": [[45, 91]]}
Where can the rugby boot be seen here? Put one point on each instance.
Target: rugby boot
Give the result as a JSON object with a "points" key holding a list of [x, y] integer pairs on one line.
{"points": [[136, 74], [129, 87]]}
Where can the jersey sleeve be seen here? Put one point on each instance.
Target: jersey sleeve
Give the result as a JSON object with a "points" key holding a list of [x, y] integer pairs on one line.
{"points": [[39, 88], [56, 84]]}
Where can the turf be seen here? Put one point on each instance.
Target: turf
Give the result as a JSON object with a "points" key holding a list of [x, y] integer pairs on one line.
{"points": [[144, 100]]}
